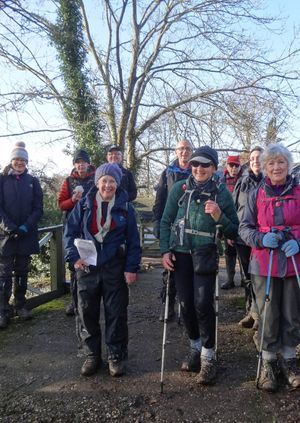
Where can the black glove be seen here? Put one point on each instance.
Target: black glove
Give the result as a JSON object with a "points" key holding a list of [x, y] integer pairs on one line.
{"points": [[156, 229]]}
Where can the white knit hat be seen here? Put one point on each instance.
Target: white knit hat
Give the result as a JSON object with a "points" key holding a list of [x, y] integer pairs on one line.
{"points": [[19, 152]]}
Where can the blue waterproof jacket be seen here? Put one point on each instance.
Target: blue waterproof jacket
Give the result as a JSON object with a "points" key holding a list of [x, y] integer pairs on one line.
{"points": [[21, 203], [124, 234]]}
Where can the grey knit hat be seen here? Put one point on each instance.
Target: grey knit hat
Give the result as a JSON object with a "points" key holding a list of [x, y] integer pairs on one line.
{"points": [[111, 169], [19, 152], [81, 155]]}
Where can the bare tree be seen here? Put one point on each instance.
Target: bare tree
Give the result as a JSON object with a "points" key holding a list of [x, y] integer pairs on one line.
{"points": [[189, 61]]}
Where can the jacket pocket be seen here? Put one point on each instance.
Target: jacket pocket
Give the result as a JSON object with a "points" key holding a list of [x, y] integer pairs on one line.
{"points": [[205, 259]]}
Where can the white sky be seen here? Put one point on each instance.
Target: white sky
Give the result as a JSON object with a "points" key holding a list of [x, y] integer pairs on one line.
{"points": [[41, 153]]}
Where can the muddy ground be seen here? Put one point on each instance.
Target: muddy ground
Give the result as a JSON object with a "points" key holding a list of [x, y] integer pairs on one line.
{"points": [[41, 382]]}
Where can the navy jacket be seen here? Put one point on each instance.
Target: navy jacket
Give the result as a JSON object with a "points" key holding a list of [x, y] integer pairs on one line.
{"points": [[21, 203], [124, 233]]}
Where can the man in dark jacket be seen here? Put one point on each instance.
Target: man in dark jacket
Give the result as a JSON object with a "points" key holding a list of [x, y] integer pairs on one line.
{"points": [[21, 207], [115, 155], [179, 169], [73, 188]]}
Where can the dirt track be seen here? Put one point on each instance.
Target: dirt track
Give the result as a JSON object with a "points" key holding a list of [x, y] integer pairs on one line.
{"points": [[40, 382]]}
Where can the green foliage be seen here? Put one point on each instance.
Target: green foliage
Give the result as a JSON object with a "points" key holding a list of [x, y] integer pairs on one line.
{"points": [[79, 104]]}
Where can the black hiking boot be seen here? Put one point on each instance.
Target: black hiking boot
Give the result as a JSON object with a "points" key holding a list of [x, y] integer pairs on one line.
{"points": [[268, 376], [290, 372], [191, 362], [208, 372], [23, 313], [90, 366], [227, 285], [247, 322], [70, 310]]}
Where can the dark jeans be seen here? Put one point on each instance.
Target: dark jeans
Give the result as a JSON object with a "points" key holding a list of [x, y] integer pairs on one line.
{"points": [[17, 266], [107, 283], [196, 296], [282, 325]]}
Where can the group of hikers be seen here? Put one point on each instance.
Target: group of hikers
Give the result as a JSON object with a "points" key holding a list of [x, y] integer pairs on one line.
{"points": [[254, 209]]}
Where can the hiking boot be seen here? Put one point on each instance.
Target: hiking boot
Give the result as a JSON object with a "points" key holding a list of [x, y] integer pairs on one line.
{"points": [[90, 366], [208, 372], [227, 285], [290, 372], [171, 313], [23, 313], [191, 362], [247, 322], [70, 310], [4, 320], [268, 376], [116, 367]]}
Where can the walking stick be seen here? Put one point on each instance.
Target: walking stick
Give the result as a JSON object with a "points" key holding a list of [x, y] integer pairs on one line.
{"points": [[296, 270], [164, 334], [267, 299], [179, 314], [218, 227]]}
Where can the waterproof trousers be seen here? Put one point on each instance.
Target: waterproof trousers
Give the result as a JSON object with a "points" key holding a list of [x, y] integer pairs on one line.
{"points": [[13, 272], [196, 296], [105, 283], [282, 325]]}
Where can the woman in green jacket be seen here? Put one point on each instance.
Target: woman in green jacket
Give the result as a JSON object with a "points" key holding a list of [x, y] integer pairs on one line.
{"points": [[188, 245]]}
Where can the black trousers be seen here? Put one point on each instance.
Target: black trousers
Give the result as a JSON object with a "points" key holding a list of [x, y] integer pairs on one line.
{"points": [[107, 283], [13, 272], [172, 288], [196, 296]]}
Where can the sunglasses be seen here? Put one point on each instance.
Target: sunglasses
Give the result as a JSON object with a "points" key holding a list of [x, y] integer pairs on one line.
{"points": [[197, 164], [233, 165]]}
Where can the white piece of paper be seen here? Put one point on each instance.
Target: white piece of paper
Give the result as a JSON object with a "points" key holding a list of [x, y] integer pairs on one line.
{"points": [[87, 250]]}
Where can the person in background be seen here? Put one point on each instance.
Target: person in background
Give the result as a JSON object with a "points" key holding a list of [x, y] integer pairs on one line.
{"points": [[21, 208], [73, 188], [106, 218], [232, 174], [115, 155], [250, 179], [179, 169], [271, 222], [189, 249]]}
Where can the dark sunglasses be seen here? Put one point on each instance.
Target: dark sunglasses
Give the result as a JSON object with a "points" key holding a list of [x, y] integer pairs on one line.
{"points": [[197, 164], [233, 165]]}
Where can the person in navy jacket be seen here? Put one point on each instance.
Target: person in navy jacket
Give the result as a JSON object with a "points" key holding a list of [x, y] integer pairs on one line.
{"points": [[21, 208], [106, 218]]}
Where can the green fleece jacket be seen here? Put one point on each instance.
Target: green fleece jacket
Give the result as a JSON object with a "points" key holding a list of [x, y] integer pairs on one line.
{"points": [[196, 219]]}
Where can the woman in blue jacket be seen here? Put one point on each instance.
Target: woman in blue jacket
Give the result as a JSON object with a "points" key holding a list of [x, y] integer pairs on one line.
{"points": [[106, 218], [21, 207]]}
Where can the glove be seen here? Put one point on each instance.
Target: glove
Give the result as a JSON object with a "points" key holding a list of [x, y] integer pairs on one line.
{"points": [[156, 229], [271, 240], [21, 232], [23, 228], [290, 248]]}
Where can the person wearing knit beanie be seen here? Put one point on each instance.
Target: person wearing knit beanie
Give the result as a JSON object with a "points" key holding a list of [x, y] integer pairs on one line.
{"points": [[19, 152], [81, 155], [111, 169]]}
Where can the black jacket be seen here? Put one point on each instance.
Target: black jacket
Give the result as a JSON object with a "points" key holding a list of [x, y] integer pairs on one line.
{"points": [[21, 203], [128, 183]]}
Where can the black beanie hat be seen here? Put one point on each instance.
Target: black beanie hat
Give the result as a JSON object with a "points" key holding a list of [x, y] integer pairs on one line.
{"points": [[81, 155], [205, 154]]}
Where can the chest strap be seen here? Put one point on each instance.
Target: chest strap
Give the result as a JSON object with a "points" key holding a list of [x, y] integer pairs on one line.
{"points": [[199, 233]]}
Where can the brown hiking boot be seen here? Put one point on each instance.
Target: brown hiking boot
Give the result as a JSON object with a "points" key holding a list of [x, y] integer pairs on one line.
{"points": [[116, 367], [247, 322], [90, 366], [290, 372], [208, 372], [268, 376], [191, 362]]}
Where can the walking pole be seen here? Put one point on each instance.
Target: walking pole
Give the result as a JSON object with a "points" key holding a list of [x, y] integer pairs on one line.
{"points": [[296, 270], [164, 334], [179, 314], [267, 299], [218, 227]]}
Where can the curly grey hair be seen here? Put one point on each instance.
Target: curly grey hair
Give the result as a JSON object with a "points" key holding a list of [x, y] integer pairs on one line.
{"points": [[274, 150]]}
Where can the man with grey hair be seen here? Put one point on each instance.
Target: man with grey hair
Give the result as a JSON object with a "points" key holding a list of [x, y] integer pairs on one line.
{"points": [[179, 169]]}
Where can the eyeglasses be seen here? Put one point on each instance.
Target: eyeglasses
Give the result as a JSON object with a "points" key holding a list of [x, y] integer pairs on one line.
{"points": [[197, 164], [184, 149], [233, 165]]}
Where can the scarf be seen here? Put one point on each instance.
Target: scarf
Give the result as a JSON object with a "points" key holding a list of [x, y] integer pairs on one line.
{"points": [[103, 229]]}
